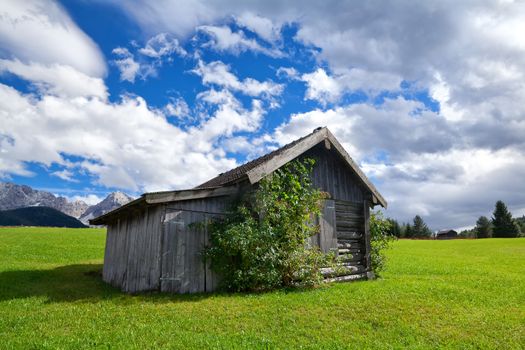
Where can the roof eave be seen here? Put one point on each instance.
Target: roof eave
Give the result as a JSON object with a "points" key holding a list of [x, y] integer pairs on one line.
{"points": [[166, 197]]}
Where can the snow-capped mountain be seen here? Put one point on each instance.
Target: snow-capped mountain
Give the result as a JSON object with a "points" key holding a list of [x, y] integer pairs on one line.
{"points": [[112, 201], [13, 196]]}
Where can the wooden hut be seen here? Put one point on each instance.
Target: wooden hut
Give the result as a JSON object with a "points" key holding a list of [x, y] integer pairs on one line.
{"points": [[151, 243], [446, 234]]}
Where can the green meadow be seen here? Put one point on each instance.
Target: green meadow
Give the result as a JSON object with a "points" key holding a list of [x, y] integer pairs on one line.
{"points": [[459, 294]]}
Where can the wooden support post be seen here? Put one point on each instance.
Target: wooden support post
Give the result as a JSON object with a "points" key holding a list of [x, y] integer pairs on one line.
{"points": [[366, 210]]}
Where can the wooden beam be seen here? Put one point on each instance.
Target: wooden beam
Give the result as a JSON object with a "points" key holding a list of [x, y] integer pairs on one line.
{"points": [[260, 171], [184, 195]]}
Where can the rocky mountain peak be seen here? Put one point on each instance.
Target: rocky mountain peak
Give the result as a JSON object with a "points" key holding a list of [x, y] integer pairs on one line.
{"points": [[112, 201], [14, 196]]}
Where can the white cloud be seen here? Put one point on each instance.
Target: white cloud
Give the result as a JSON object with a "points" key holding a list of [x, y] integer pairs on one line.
{"points": [[330, 88], [56, 79], [262, 26], [418, 160], [177, 107], [65, 174], [321, 87], [223, 39], [126, 145], [90, 199], [287, 72], [218, 73], [161, 45], [126, 64], [157, 50], [42, 31]]}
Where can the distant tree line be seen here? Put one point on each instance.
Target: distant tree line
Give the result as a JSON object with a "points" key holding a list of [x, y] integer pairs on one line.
{"points": [[418, 228], [502, 224]]}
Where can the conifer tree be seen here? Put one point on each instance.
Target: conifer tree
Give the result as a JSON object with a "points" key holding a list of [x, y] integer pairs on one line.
{"points": [[408, 231], [483, 227], [420, 228], [395, 229], [502, 222]]}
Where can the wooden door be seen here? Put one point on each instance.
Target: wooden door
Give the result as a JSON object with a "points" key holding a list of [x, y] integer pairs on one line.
{"points": [[182, 266]]}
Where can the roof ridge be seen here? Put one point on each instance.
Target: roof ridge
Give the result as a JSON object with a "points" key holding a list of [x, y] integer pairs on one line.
{"points": [[240, 171]]}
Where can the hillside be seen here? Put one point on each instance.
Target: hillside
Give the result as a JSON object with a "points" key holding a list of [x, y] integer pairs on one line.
{"points": [[38, 216]]}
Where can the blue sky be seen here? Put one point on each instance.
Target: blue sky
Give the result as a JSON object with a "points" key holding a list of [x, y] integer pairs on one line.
{"points": [[139, 96]]}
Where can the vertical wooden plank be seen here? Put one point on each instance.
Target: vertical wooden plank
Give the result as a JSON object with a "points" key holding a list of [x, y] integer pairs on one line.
{"points": [[108, 253], [208, 283], [328, 233], [368, 262], [123, 253], [180, 254], [162, 256], [156, 230]]}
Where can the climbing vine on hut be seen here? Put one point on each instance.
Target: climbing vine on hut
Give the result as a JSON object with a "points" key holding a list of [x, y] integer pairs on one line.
{"points": [[261, 244]]}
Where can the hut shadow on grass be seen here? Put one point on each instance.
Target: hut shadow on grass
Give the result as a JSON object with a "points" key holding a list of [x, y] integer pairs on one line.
{"points": [[71, 283]]}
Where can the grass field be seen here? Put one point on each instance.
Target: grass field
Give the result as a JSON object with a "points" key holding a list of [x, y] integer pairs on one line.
{"points": [[435, 294]]}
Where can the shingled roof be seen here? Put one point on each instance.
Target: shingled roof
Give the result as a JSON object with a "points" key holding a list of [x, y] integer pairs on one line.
{"points": [[235, 174], [260, 167]]}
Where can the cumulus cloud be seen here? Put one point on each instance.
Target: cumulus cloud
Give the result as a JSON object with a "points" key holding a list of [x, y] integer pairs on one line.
{"points": [[422, 166], [65, 174], [157, 50], [223, 39], [161, 45], [265, 28], [126, 145], [218, 73], [126, 64], [177, 107], [326, 88], [56, 79], [28, 29]]}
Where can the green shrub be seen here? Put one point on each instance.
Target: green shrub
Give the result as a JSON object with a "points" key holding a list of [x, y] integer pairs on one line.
{"points": [[262, 243], [379, 241]]}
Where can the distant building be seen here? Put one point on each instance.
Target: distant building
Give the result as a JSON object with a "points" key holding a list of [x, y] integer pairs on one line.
{"points": [[446, 234]]}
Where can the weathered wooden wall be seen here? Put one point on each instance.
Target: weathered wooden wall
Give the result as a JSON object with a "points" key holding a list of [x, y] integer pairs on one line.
{"points": [[352, 233], [332, 175], [132, 253], [160, 247], [326, 239], [184, 237]]}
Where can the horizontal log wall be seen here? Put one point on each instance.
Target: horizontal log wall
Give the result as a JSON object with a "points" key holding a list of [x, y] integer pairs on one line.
{"points": [[351, 233]]}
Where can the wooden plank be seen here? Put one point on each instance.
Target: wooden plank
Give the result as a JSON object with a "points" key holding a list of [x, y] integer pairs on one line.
{"points": [[367, 258], [349, 235], [356, 169], [185, 195], [328, 234]]}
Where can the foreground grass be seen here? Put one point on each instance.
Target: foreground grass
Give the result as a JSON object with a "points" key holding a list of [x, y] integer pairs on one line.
{"points": [[435, 294]]}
